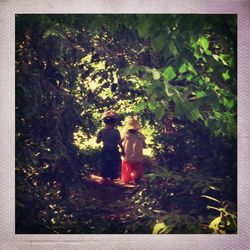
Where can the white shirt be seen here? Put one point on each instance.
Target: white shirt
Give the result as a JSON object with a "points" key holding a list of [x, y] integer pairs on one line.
{"points": [[133, 145]]}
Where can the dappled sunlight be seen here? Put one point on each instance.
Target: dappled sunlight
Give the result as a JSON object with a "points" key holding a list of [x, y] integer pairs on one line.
{"points": [[175, 74], [83, 142]]}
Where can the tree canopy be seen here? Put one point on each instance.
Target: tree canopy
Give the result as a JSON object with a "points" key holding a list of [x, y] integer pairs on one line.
{"points": [[176, 72]]}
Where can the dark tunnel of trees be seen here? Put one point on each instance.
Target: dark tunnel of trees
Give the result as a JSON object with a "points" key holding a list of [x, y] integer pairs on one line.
{"points": [[176, 73]]}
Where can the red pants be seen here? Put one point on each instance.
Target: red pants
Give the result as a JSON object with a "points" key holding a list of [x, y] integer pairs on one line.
{"points": [[131, 171]]}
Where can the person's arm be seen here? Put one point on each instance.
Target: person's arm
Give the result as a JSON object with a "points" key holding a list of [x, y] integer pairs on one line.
{"points": [[99, 138], [121, 147], [120, 141]]}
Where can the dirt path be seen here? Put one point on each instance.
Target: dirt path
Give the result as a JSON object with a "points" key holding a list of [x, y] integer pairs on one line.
{"points": [[111, 199]]}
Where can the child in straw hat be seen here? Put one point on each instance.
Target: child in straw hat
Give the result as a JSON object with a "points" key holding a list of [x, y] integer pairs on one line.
{"points": [[111, 138], [133, 142]]}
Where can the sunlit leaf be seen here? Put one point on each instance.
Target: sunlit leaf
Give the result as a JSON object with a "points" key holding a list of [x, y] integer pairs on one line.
{"points": [[204, 44], [53, 221], [159, 211], [200, 94], [214, 188], [197, 52], [210, 198], [168, 91], [183, 68], [214, 208], [139, 107], [216, 226], [229, 103], [191, 68], [162, 228], [156, 74], [223, 58], [225, 75], [151, 106], [169, 73], [190, 77]]}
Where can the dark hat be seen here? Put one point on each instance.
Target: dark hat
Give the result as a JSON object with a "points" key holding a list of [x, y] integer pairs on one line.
{"points": [[110, 113]]}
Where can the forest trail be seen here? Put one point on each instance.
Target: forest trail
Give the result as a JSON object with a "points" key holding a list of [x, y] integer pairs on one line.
{"points": [[111, 200]]}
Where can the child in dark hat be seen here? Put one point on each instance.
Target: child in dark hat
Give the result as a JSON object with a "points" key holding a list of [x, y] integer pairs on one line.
{"points": [[111, 138]]}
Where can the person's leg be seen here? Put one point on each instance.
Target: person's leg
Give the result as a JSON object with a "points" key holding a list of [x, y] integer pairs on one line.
{"points": [[139, 169], [111, 164], [136, 171], [126, 168], [123, 171], [105, 163], [117, 164]]}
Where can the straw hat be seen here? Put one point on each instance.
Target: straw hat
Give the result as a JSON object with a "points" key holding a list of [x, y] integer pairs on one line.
{"points": [[132, 123]]}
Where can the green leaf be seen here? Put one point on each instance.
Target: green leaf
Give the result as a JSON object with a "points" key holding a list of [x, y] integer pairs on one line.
{"points": [[156, 74], [159, 112], [169, 73], [214, 225], [168, 91], [151, 106], [144, 26], [176, 96], [179, 108], [196, 115], [183, 68], [197, 52], [225, 75], [228, 103], [210, 198], [200, 94], [172, 48], [54, 33], [158, 42], [204, 44], [139, 107], [190, 77], [150, 89], [223, 58], [191, 68], [158, 89], [217, 115], [214, 188], [214, 208], [95, 24], [160, 228]]}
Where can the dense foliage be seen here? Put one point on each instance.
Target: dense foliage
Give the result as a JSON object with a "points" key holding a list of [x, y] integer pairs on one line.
{"points": [[177, 73]]}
